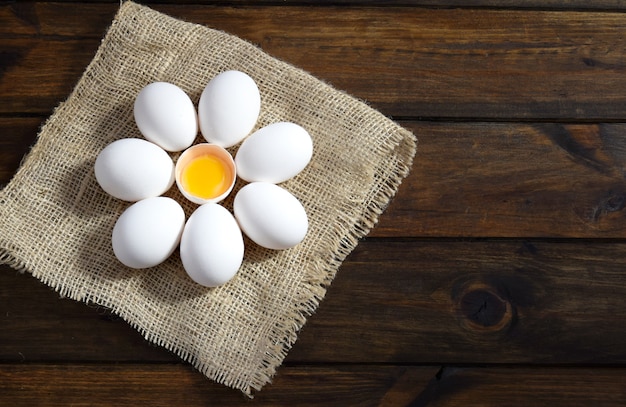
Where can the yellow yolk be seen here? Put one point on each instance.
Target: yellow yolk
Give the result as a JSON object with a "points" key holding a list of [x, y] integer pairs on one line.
{"points": [[206, 177]]}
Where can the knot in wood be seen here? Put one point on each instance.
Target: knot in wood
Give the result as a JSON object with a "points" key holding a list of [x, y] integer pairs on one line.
{"points": [[482, 309], [614, 202]]}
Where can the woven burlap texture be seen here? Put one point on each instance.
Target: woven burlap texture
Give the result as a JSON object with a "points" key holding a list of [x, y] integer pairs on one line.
{"points": [[57, 221]]}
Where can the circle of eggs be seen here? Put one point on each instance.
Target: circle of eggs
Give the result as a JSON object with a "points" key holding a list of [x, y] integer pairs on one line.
{"points": [[211, 241]]}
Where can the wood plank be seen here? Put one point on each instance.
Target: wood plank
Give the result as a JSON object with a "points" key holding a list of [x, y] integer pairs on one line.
{"points": [[421, 62], [178, 385], [404, 301], [480, 179], [37, 74], [36, 324], [523, 386], [473, 302], [512, 180], [18, 134], [368, 385], [516, 4]]}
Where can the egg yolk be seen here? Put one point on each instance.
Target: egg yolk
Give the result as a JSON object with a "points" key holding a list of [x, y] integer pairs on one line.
{"points": [[206, 177]]}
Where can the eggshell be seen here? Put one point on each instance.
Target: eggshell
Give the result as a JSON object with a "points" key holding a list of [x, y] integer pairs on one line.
{"points": [[229, 108], [148, 232], [211, 247], [270, 215], [132, 169], [205, 149], [165, 115], [274, 153]]}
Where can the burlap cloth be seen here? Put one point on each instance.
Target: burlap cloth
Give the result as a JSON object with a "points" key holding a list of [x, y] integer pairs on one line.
{"points": [[57, 222]]}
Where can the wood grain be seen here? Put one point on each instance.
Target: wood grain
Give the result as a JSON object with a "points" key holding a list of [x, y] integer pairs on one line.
{"points": [[512, 180], [516, 4], [106, 385], [420, 62], [441, 302], [511, 386], [482, 179], [37, 74], [473, 302], [23, 385], [18, 134]]}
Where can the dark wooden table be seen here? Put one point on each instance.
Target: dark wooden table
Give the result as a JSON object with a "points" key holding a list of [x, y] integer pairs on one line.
{"points": [[497, 276]]}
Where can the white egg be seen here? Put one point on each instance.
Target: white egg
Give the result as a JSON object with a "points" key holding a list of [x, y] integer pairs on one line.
{"points": [[270, 215], [274, 153], [211, 247], [165, 115], [229, 108], [132, 169], [148, 232]]}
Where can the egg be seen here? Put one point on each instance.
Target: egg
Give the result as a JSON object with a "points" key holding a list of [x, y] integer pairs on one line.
{"points": [[274, 153], [132, 169], [211, 248], [166, 116], [270, 215], [205, 173], [229, 107], [148, 232]]}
